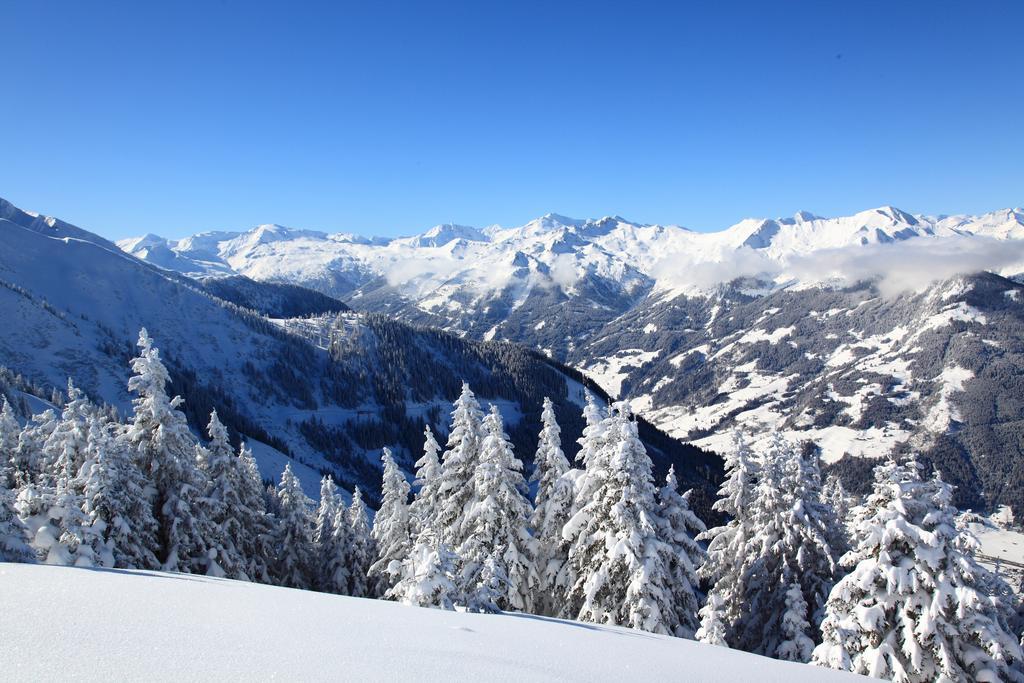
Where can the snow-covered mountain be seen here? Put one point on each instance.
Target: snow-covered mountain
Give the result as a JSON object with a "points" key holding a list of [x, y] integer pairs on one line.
{"points": [[126, 624], [327, 391], [865, 333]]}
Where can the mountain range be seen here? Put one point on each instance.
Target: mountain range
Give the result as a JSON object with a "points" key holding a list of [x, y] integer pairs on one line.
{"points": [[291, 371], [881, 332]]}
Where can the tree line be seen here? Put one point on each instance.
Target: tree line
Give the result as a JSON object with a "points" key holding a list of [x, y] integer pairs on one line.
{"points": [[887, 586]]}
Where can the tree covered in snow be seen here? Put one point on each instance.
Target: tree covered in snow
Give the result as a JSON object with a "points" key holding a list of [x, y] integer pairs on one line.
{"points": [[679, 528], [361, 548], [14, 545], [796, 645], [497, 569], [30, 464], [331, 539], [10, 430], [255, 523], [834, 494], [781, 541], [223, 502], [391, 528], [916, 605], [428, 572], [65, 446], [622, 566], [167, 453], [593, 457], [116, 499], [552, 507], [427, 483], [457, 469], [726, 565], [294, 562]]}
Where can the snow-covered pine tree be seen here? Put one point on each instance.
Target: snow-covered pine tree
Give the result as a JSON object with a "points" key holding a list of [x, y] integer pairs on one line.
{"points": [[593, 457], [787, 528], [725, 566], [64, 448], [915, 607], [458, 465], [622, 567], [294, 563], [788, 544], [14, 545], [428, 480], [391, 529], [679, 527], [552, 507], [796, 645], [361, 550], [29, 459], [255, 534], [223, 502], [166, 450], [834, 494], [116, 500], [10, 430], [427, 578], [330, 541], [496, 529]]}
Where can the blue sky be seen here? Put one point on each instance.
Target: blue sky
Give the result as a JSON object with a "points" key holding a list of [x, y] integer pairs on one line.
{"points": [[386, 118]]}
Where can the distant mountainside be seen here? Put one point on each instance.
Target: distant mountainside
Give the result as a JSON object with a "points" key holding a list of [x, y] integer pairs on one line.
{"points": [[866, 334], [282, 365]]}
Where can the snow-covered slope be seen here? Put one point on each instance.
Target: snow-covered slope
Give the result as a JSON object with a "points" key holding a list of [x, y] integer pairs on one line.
{"points": [[101, 625]]}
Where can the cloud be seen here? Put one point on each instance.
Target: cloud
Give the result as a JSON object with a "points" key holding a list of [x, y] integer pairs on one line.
{"points": [[563, 271], [405, 270], [682, 270], [909, 265]]}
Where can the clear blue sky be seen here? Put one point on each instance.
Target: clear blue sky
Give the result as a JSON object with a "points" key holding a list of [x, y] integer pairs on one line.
{"points": [[386, 118]]}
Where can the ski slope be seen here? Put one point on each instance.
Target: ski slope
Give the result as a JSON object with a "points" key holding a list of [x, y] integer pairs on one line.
{"points": [[83, 624]]}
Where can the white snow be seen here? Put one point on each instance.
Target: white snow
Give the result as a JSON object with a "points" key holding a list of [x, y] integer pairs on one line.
{"points": [[101, 625]]}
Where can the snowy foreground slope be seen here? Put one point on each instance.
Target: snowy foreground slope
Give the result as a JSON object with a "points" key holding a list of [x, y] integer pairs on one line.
{"points": [[70, 623]]}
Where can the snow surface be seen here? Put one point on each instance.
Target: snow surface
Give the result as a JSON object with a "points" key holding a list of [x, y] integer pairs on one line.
{"points": [[84, 624]]}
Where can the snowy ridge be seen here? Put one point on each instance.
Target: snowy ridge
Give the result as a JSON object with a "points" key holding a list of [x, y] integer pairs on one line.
{"points": [[121, 624]]}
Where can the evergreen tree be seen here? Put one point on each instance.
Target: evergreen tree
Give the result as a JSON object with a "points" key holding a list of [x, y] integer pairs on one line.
{"points": [[9, 433], [498, 541], [14, 545], [391, 529], [679, 527], [726, 565], [64, 448], [427, 578], [796, 645], [428, 481], [330, 536], [361, 550], [915, 606], [30, 464], [116, 500], [784, 540], [458, 465], [834, 495], [553, 505], [294, 563], [256, 525], [223, 503], [593, 456], [166, 450], [623, 568]]}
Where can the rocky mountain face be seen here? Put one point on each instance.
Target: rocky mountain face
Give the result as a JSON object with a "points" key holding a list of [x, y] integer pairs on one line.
{"points": [[866, 334]]}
